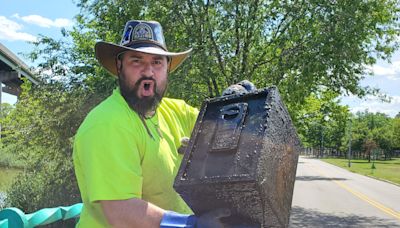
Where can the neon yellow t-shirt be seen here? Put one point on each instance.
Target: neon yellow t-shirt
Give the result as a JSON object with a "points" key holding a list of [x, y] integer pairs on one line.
{"points": [[115, 158]]}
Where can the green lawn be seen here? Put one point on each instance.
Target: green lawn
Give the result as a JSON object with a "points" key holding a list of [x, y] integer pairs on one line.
{"points": [[7, 176], [386, 170]]}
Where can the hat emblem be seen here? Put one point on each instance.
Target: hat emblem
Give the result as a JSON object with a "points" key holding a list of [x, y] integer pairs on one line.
{"points": [[142, 31]]}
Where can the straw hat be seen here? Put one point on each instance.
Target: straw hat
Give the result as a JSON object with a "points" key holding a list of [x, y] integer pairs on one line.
{"points": [[141, 36]]}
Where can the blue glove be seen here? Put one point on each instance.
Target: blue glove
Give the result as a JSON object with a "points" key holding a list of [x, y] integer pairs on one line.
{"points": [[242, 87], [172, 219], [207, 220]]}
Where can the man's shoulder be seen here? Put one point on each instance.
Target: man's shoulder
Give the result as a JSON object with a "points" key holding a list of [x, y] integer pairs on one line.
{"points": [[173, 103], [109, 112], [177, 107]]}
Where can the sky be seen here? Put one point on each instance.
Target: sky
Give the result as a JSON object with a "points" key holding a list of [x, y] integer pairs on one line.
{"points": [[22, 20]]}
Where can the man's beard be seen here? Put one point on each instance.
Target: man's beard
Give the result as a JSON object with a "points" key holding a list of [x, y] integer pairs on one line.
{"points": [[145, 105]]}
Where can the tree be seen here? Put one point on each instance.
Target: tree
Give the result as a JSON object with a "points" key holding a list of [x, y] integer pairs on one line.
{"points": [[300, 46], [369, 145], [5, 110], [322, 118], [373, 127], [396, 132]]}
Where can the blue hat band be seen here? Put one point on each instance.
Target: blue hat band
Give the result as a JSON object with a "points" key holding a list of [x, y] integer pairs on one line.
{"points": [[136, 45]]}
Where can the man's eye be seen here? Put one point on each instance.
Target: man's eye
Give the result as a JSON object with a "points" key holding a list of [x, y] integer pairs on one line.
{"points": [[157, 62], [135, 60]]}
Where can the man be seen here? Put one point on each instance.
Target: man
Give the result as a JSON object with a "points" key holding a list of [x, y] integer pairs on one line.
{"points": [[126, 150]]}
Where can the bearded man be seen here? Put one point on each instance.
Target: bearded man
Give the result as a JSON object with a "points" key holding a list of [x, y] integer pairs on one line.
{"points": [[126, 150]]}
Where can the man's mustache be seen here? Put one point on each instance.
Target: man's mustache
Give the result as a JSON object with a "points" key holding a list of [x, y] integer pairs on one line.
{"points": [[145, 78]]}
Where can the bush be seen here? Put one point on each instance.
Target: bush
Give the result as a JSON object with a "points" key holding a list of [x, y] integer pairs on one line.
{"points": [[39, 132], [52, 185]]}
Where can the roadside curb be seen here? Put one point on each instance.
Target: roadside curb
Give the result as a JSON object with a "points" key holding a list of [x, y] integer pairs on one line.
{"points": [[377, 178], [373, 177]]}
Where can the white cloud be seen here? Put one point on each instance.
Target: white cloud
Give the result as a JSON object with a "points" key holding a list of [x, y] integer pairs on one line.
{"points": [[373, 104], [391, 72], [380, 70], [9, 30], [45, 22]]}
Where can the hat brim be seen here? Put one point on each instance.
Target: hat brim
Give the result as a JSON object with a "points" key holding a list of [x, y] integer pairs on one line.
{"points": [[106, 54]]}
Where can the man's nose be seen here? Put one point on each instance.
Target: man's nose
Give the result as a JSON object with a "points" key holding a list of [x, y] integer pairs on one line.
{"points": [[148, 70]]}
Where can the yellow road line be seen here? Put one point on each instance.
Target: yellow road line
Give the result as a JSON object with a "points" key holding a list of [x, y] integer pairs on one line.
{"points": [[362, 196], [369, 200]]}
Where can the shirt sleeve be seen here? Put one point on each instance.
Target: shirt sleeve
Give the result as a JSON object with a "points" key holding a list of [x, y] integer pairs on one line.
{"points": [[110, 161], [191, 117]]}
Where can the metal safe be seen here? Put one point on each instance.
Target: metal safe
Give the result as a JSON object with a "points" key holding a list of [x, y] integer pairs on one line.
{"points": [[242, 155]]}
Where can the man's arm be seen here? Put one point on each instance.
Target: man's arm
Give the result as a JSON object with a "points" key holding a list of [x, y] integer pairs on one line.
{"points": [[132, 213]]}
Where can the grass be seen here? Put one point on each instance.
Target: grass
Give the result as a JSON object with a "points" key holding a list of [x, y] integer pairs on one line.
{"points": [[7, 176], [387, 170], [10, 167], [8, 159]]}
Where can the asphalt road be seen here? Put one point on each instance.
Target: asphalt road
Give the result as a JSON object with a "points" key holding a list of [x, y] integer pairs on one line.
{"points": [[328, 196]]}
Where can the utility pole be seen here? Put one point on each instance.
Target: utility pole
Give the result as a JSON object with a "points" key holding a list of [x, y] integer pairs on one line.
{"points": [[349, 151], [322, 142]]}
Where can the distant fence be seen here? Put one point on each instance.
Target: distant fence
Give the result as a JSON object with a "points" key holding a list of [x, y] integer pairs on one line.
{"points": [[329, 152], [15, 218]]}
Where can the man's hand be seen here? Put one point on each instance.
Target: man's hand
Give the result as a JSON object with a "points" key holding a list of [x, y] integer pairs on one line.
{"points": [[242, 87], [212, 219]]}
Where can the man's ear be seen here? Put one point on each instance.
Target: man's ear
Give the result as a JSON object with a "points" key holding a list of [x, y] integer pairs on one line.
{"points": [[119, 65]]}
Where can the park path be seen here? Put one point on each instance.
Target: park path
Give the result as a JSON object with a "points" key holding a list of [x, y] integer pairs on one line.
{"points": [[328, 196]]}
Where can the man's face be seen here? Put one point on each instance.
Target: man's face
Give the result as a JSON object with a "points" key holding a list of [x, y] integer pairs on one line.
{"points": [[142, 80]]}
